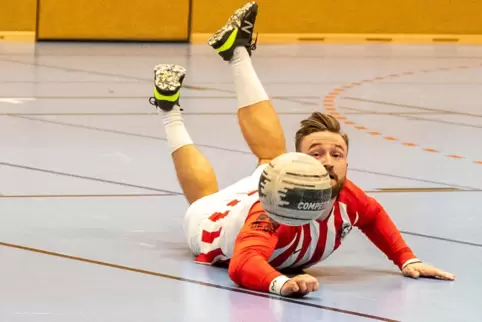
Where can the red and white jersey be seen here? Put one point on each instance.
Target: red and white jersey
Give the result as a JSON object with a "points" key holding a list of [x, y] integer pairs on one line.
{"points": [[258, 248]]}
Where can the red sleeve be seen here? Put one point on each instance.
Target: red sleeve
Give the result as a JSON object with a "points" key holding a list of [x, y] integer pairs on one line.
{"points": [[375, 223], [254, 246]]}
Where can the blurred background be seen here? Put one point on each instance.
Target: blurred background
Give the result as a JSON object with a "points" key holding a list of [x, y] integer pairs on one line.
{"points": [[283, 21]]}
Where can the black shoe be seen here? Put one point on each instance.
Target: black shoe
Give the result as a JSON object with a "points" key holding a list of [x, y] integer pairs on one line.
{"points": [[238, 31]]}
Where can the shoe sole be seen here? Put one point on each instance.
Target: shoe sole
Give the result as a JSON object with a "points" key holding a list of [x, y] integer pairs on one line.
{"points": [[233, 22], [168, 78]]}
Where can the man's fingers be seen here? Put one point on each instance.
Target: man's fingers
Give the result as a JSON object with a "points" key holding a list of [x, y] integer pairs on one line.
{"points": [[302, 286], [434, 272], [410, 272], [316, 286], [293, 287], [418, 270]]}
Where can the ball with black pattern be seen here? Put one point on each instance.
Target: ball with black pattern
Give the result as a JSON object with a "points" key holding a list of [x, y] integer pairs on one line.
{"points": [[295, 189]]}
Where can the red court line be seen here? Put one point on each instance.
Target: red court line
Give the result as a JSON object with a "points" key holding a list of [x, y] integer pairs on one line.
{"points": [[330, 99]]}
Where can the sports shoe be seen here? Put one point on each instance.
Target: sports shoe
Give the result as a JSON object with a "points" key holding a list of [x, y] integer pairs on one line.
{"points": [[238, 31], [167, 86]]}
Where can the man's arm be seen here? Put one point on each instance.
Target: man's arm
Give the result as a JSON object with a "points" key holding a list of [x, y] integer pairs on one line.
{"points": [[249, 266], [375, 223], [254, 245]]}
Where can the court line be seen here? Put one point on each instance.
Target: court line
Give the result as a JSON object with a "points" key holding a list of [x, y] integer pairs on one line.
{"points": [[427, 191], [359, 111], [420, 108], [133, 114], [329, 105], [414, 116], [295, 99], [415, 179], [328, 100], [3, 196], [19, 166], [417, 118], [455, 241], [232, 83], [181, 279], [415, 190], [260, 55], [226, 149], [85, 127], [186, 86]]}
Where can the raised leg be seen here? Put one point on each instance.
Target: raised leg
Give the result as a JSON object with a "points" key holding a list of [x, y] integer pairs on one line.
{"points": [[257, 118], [194, 172]]}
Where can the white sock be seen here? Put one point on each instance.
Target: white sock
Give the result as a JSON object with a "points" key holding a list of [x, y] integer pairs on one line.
{"points": [[248, 86], [177, 135]]}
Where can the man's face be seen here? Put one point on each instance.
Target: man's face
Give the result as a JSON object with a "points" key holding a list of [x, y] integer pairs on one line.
{"points": [[331, 150]]}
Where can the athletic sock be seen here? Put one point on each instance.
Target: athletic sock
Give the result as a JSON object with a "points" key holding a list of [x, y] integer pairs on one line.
{"points": [[249, 89], [177, 135]]}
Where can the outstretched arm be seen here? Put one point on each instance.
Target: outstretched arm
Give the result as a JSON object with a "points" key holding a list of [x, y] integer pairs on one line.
{"points": [[249, 266], [375, 223]]}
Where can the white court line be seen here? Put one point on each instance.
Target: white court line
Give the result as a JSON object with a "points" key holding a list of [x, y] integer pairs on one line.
{"points": [[15, 100]]}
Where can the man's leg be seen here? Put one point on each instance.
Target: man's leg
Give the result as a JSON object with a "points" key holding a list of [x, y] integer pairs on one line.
{"points": [[194, 172], [257, 118]]}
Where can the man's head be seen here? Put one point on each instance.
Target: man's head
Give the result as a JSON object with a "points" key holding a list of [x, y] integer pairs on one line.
{"points": [[320, 136]]}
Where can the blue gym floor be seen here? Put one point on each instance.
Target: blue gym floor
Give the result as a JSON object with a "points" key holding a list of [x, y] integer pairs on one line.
{"points": [[91, 211]]}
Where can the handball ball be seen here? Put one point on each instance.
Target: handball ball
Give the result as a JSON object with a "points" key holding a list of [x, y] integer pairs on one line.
{"points": [[295, 189]]}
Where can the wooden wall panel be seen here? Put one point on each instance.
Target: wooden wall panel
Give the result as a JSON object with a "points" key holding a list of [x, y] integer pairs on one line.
{"points": [[114, 19]]}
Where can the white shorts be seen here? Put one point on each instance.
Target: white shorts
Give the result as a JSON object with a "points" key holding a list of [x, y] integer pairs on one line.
{"points": [[231, 207]]}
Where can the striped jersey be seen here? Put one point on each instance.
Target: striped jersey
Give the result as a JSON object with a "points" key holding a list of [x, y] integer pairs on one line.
{"points": [[258, 248]]}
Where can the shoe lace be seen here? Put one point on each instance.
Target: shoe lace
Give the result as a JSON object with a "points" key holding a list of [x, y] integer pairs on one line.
{"points": [[152, 101], [253, 45]]}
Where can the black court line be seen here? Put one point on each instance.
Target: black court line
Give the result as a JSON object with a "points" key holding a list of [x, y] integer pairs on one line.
{"points": [[299, 100], [304, 83], [414, 179], [290, 98], [134, 114], [3, 196], [177, 278], [76, 70], [449, 240], [259, 56], [412, 107], [85, 127], [413, 116], [422, 191], [230, 150], [179, 194], [65, 174], [365, 111], [417, 118]]}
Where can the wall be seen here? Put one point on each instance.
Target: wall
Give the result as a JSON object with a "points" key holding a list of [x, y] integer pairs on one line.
{"points": [[114, 19], [18, 15], [348, 16], [168, 19]]}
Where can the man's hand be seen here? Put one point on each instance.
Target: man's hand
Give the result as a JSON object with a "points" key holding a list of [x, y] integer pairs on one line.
{"points": [[300, 286], [417, 270]]}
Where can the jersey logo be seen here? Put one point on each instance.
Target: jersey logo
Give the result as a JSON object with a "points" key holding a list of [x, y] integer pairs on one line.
{"points": [[345, 230], [265, 223]]}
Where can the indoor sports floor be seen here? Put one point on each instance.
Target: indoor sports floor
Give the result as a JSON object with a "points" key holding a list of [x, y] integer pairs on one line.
{"points": [[91, 211]]}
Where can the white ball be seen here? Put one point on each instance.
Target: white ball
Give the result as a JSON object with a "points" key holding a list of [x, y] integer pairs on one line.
{"points": [[295, 189]]}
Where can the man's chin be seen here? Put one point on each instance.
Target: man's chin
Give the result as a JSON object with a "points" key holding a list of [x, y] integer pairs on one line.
{"points": [[336, 187]]}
